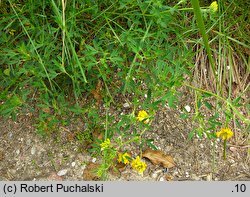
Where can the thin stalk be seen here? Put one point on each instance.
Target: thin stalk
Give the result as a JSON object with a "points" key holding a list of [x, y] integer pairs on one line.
{"points": [[63, 30], [225, 150], [228, 103], [200, 23], [106, 125], [129, 74]]}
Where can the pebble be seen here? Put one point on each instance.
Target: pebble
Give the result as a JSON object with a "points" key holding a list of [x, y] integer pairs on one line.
{"points": [[28, 142], [209, 177], [73, 164], [154, 175], [17, 151], [187, 174], [62, 172], [162, 179], [195, 177], [187, 108], [33, 150], [233, 149], [125, 105], [10, 135]]}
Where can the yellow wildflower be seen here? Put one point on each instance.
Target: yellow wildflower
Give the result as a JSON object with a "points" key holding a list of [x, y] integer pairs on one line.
{"points": [[225, 133], [143, 115], [123, 158], [12, 32], [105, 144], [138, 165], [213, 6]]}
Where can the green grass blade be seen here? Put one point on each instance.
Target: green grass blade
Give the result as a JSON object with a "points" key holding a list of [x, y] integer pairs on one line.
{"points": [[200, 23]]}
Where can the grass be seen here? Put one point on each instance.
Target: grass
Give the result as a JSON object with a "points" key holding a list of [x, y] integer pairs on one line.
{"points": [[73, 59]]}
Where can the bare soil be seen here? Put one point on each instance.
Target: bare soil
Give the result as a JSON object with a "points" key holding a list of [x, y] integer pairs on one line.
{"points": [[24, 155]]}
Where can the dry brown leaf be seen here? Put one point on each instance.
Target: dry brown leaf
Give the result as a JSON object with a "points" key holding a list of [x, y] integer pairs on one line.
{"points": [[89, 172], [158, 157], [46, 110], [120, 166], [97, 134], [97, 92]]}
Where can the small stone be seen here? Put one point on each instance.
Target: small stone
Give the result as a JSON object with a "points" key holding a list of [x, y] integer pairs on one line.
{"points": [[17, 151], [28, 142], [161, 179], [73, 164], [62, 172], [209, 177], [195, 177], [233, 149], [33, 150], [125, 105], [10, 135], [187, 108], [154, 175]]}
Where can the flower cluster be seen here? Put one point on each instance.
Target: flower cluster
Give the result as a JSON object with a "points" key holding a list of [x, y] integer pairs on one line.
{"points": [[225, 133], [138, 165], [123, 158], [105, 144], [143, 116], [213, 7]]}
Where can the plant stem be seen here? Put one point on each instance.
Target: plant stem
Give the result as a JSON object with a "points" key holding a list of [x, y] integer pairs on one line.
{"points": [[246, 120], [225, 151], [200, 23]]}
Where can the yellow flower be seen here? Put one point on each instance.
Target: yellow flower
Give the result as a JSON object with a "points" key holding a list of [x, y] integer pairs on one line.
{"points": [[138, 165], [12, 32], [105, 144], [142, 115], [123, 158], [225, 133], [213, 6]]}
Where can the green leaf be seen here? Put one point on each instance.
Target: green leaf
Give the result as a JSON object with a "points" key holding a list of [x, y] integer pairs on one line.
{"points": [[184, 116], [149, 142], [191, 134], [208, 105], [7, 72], [76, 109]]}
